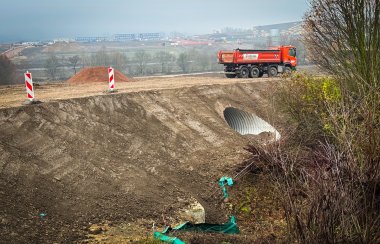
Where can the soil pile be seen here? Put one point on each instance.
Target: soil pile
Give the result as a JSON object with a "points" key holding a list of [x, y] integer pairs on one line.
{"points": [[118, 158], [96, 74]]}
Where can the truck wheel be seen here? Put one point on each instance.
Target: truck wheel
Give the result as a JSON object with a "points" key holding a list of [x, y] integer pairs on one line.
{"points": [[230, 75], [244, 72], [272, 71], [255, 72], [287, 70]]}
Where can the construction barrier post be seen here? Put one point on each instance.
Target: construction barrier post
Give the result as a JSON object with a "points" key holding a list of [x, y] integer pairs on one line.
{"points": [[29, 86], [111, 81]]}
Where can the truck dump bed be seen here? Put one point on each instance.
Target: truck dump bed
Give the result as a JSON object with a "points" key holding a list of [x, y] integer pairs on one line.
{"points": [[239, 56]]}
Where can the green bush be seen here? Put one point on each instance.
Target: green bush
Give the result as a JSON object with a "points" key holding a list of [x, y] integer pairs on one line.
{"points": [[305, 98]]}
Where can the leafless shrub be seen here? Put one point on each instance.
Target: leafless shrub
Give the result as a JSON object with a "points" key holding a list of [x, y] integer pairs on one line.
{"points": [[328, 168], [325, 199]]}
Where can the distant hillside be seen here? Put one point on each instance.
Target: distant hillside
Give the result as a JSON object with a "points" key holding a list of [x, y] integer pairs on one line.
{"points": [[282, 26], [290, 28]]}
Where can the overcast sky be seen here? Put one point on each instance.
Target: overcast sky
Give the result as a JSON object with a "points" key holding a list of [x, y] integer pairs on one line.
{"points": [[45, 19]]}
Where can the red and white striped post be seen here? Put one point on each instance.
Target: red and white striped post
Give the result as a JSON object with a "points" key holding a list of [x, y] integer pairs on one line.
{"points": [[111, 80], [29, 86]]}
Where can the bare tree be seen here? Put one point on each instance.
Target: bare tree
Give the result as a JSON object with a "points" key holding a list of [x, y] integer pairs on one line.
{"points": [[100, 58], [183, 62], [7, 70], [141, 58], [51, 66], [204, 61], [119, 61], [164, 58], [343, 37], [74, 61]]}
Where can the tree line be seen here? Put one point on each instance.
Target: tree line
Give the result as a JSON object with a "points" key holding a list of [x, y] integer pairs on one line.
{"points": [[140, 63]]}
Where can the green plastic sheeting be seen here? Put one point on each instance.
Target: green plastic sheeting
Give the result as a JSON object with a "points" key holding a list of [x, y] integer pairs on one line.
{"points": [[227, 228], [167, 239], [223, 182]]}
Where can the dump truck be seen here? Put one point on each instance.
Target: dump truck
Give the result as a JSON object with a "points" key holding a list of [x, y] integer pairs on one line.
{"points": [[244, 63]]}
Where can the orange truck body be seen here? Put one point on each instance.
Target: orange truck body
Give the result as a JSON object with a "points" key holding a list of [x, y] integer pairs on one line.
{"points": [[245, 63]]}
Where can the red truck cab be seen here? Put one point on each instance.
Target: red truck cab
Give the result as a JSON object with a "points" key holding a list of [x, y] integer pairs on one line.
{"points": [[245, 63]]}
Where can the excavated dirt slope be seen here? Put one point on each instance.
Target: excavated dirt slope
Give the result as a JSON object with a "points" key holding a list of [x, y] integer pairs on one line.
{"points": [[117, 157]]}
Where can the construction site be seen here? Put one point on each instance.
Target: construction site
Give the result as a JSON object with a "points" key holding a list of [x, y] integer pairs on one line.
{"points": [[84, 165], [185, 122]]}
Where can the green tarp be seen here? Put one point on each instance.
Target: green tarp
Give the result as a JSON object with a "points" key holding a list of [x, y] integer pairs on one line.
{"points": [[227, 228], [168, 239]]}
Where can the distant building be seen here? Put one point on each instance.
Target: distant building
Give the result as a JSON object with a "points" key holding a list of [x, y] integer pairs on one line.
{"points": [[125, 37], [91, 39], [150, 36], [122, 37]]}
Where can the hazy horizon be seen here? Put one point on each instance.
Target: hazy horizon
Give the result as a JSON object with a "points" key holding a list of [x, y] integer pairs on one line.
{"points": [[43, 19]]}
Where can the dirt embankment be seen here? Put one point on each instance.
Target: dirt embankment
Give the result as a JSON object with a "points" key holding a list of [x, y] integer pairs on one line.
{"points": [[14, 96], [117, 157]]}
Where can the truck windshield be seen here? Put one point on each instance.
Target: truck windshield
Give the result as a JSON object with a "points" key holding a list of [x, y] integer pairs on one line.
{"points": [[292, 52]]}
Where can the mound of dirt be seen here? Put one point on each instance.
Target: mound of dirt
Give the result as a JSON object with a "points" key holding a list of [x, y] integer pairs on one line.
{"points": [[96, 74], [67, 164]]}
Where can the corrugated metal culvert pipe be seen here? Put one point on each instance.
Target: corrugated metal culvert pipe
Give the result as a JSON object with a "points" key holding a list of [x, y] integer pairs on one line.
{"points": [[247, 123]]}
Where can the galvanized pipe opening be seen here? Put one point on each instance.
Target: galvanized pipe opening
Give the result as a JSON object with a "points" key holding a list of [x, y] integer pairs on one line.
{"points": [[247, 123]]}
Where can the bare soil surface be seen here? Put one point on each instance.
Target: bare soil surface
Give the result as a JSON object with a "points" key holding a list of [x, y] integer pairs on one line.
{"points": [[96, 74], [14, 95], [83, 156]]}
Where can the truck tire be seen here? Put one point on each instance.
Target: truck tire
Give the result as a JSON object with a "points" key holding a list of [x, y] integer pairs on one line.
{"points": [[272, 71], [255, 72], [287, 70], [244, 72], [230, 75]]}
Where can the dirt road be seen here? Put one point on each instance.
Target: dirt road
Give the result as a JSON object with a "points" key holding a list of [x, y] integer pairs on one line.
{"points": [[13, 96], [11, 53]]}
